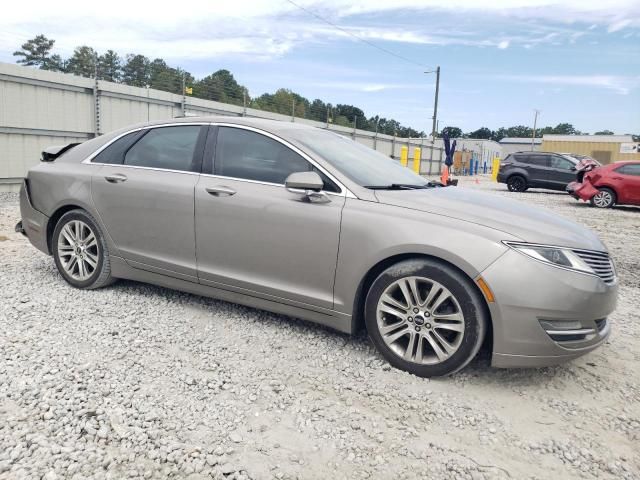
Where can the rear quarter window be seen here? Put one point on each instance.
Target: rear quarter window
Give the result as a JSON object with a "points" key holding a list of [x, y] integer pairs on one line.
{"points": [[114, 153]]}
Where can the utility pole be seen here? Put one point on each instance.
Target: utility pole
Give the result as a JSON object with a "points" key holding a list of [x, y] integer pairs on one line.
{"points": [[293, 109], [244, 102], [355, 120], [535, 122], [435, 104]]}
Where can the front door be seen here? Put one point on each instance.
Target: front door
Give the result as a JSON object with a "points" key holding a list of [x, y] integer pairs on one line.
{"points": [[144, 195], [254, 235]]}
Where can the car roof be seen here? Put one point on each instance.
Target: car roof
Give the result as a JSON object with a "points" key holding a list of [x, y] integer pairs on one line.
{"points": [[263, 123]]}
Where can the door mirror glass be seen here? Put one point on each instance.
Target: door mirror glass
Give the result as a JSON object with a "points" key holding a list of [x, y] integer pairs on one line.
{"points": [[304, 181]]}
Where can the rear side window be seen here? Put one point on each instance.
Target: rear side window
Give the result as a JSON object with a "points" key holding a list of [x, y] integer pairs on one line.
{"points": [[170, 148], [249, 155], [538, 160], [114, 153], [633, 169]]}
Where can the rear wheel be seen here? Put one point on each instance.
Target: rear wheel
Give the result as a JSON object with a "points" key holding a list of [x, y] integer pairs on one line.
{"points": [[605, 198], [80, 251], [517, 183], [425, 317]]}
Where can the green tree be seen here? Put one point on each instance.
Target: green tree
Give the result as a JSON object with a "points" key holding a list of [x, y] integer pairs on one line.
{"points": [[37, 53], [110, 67], [136, 71], [604, 132], [83, 62], [565, 129], [483, 132], [220, 86], [453, 132]]}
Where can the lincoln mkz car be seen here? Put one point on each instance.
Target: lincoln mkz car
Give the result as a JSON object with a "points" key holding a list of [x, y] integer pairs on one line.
{"points": [[304, 222]]}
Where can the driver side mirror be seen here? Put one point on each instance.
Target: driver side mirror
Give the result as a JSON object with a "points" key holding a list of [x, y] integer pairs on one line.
{"points": [[308, 184]]}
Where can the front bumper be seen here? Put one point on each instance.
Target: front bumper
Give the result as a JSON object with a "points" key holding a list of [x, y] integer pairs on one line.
{"points": [[33, 223], [545, 315]]}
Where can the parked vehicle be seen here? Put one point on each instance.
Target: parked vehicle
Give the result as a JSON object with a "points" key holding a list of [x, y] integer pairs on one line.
{"points": [[304, 222], [585, 164], [614, 184], [524, 170]]}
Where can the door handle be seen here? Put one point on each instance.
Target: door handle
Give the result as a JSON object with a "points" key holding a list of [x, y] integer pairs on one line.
{"points": [[220, 191], [116, 178]]}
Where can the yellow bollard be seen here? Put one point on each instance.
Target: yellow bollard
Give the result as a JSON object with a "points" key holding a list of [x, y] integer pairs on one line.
{"points": [[494, 169], [416, 160], [404, 155]]}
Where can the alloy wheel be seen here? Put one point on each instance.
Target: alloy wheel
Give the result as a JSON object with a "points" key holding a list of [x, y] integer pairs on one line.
{"points": [[78, 250], [517, 184], [420, 320], [603, 199]]}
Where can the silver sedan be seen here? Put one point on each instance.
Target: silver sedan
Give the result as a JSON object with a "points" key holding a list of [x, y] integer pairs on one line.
{"points": [[304, 222]]}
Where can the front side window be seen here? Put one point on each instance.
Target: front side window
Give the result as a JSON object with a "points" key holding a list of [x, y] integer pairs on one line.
{"points": [[169, 148], [249, 155], [562, 163]]}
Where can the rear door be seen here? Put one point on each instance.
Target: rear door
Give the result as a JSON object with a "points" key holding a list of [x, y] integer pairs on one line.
{"points": [[561, 172], [536, 167], [144, 195]]}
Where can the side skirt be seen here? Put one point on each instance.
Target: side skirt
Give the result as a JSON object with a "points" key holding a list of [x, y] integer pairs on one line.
{"points": [[332, 319]]}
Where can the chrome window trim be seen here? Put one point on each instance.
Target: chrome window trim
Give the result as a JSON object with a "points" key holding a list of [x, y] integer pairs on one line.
{"points": [[146, 127], [345, 192]]}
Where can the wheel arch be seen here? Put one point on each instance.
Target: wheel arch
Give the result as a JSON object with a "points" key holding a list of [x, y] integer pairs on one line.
{"points": [[378, 268], [55, 218], [519, 173]]}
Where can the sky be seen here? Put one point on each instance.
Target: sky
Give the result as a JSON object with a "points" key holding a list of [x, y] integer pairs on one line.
{"points": [[577, 61]]}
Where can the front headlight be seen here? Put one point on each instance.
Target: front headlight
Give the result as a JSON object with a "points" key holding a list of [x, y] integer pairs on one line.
{"points": [[556, 256]]}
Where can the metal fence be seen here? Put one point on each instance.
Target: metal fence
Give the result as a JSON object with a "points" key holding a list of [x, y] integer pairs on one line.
{"points": [[40, 108]]}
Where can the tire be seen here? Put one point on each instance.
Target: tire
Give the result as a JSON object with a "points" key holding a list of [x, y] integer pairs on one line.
{"points": [[82, 261], [605, 198], [517, 183], [442, 291]]}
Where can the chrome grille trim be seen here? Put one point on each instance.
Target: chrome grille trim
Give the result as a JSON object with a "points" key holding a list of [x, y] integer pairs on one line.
{"points": [[600, 263]]}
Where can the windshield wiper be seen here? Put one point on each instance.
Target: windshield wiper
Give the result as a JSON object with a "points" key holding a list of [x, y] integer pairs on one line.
{"points": [[401, 186]]}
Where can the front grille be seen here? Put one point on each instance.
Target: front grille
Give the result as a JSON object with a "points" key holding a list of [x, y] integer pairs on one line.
{"points": [[600, 263]]}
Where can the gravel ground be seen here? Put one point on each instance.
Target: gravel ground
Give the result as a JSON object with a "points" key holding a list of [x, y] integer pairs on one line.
{"points": [[142, 382]]}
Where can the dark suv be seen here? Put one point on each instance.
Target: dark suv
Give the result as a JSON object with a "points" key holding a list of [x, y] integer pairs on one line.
{"points": [[523, 170]]}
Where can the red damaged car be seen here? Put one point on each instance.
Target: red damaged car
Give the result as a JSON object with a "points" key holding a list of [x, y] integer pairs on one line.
{"points": [[609, 185]]}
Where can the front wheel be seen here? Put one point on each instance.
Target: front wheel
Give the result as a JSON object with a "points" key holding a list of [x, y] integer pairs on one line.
{"points": [[425, 317], [605, 198], [80, 251]]}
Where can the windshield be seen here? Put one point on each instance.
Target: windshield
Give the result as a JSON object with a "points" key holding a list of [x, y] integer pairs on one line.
{"points": [[361, 164]]}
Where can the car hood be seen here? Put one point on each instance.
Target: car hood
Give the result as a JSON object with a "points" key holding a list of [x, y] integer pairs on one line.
{"points": [[529, 224]]}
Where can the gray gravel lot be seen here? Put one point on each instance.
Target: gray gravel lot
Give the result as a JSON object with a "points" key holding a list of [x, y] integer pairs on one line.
{"points": [[136, 381]]}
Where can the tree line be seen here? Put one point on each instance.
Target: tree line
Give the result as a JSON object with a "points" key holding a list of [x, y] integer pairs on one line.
{"points": [[139, 71], [519, 131]]}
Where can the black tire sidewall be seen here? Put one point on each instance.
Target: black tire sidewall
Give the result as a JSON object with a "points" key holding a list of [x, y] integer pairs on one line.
{"points": [[66, 218], [459, 285]]}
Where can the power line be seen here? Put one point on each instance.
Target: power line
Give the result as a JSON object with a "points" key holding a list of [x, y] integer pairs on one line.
{"points": [[351, 34]]}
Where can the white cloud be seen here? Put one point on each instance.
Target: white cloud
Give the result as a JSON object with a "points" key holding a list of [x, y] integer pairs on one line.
{"points": [[263, 29], [619, 84]]}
